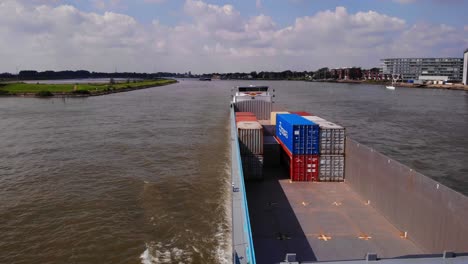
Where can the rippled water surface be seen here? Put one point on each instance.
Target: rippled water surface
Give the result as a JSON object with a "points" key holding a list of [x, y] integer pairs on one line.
{"points": [[141, 177]]}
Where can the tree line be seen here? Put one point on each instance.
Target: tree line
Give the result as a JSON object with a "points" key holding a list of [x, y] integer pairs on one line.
{"points": [[82, 74], [320, 74]]}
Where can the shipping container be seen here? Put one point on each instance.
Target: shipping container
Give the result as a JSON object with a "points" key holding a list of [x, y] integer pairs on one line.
{"points": [[315, 119], [302, 167], [261, 109], [331, 167], [332, 136], [271, 152], [273, 116], [246, 119], [244, 114], [302, 113], [252, 166], [250, 138], [299, 135], [269, 130]]}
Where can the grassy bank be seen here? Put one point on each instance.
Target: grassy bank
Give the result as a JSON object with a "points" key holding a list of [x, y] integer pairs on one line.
{"points": [[27, 89]]}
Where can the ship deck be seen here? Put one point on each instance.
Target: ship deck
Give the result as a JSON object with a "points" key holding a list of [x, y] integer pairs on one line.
{"points": [[318, 221]]}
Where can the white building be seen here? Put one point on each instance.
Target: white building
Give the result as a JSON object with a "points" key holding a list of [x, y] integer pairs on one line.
{"points": [[465, 67], [413, 68]]}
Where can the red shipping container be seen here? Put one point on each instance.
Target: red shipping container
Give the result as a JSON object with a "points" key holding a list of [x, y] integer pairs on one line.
{"points": [[246, 119], [304, 168], [302, 113], [244, 114], [301, 167]]}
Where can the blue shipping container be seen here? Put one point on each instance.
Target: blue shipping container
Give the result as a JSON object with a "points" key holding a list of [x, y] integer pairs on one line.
{"points": [[298, 134]]}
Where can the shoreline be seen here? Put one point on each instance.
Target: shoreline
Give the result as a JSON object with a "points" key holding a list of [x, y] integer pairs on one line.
{"points": [[458, 87], [88, 92]]}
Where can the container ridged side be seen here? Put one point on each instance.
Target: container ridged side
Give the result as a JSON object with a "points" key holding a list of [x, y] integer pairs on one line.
{"points": [[261, 109]]}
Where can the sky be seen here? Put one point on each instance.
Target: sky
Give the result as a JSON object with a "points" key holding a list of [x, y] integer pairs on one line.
{"points": [[225, 36]]}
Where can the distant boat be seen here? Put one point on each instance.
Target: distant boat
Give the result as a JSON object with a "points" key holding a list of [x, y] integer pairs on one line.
{"points": [[394, 79], [205, 79]]}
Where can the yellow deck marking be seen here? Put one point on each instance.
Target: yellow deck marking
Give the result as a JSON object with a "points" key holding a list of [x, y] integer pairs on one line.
{"points": [[324, 237], [364, 237]]}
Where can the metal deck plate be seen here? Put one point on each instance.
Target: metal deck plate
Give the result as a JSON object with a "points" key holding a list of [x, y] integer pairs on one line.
{"points": [[318, 221]]}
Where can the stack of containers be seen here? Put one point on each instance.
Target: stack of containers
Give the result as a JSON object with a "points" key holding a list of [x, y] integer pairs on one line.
{"points": [[332, 149], [299, 139], [270, 129], [250, 133]]}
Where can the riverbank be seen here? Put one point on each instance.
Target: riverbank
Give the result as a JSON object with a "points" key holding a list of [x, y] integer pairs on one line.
{"points": [[457, 86], [77, 90]]}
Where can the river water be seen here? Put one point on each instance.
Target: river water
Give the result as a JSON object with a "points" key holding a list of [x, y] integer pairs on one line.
{"points": [[142, 176]]}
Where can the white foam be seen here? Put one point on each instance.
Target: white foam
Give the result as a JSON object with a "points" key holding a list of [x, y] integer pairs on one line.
{"points": [[146, 257], [223, 250], [158, 253]]}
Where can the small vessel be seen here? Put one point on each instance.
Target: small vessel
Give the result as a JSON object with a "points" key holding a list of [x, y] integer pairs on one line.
{"points": [[394, 79], [205, 79]]}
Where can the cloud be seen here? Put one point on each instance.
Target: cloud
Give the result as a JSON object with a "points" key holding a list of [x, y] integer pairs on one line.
{"points": [[107, 4], [155, 1], [405, 1], [214, 38], [208, 16], [441, 2]]}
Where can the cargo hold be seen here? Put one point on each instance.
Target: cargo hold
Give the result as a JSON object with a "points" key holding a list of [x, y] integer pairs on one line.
{"points": [[252, 166]]}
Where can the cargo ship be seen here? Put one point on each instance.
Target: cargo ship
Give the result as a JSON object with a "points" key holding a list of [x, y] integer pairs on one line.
{"points": [[304, 192]]}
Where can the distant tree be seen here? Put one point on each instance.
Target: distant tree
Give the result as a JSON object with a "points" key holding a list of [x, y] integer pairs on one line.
{"points": [[355, 73], [27, 75]]}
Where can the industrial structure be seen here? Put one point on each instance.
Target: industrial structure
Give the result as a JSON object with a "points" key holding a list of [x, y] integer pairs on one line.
{"points": [[435, 69]]}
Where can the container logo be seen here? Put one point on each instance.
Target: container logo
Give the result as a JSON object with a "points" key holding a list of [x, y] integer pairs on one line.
{"points": [[283, 131]]}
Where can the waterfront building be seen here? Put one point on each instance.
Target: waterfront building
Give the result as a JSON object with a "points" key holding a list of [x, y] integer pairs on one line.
{"points": [[465, 67], [353, 73], [421, 68], [376, 75]]}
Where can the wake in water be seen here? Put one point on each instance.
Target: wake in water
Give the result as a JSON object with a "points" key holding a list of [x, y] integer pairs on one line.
{"points": [[188, 212], [159, 252]]}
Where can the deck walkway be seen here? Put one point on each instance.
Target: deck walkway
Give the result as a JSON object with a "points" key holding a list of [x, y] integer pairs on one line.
{"points": [[318, 222]]}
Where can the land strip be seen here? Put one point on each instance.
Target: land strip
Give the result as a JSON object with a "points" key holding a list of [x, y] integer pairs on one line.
{"points": [[77, 90]]}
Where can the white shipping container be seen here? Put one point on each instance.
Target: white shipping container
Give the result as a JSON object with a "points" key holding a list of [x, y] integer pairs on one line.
{"points": [[331, 168], [250, 137], [332, 136]]}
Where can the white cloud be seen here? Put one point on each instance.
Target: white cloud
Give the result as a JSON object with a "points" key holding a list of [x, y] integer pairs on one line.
{"points": [[258, 4], [405, 1], [155, 1], [208, 16], [217, 38]]}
